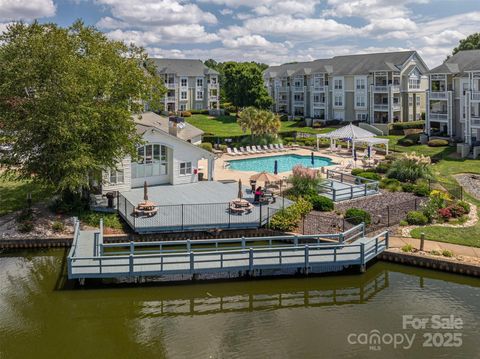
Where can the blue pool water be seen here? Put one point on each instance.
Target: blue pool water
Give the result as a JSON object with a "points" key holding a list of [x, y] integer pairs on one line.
{"points": [[285, 163]]}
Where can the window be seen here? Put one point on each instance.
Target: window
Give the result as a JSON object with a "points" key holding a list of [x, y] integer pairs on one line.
{"points": [[340, 115], [338, 84], [298, 83], [413, 83], [185, 168], [360, 84], [319, 98], [362, 117], [318, 81], [298, 97], [199, 95], [360, 101], [116, 176], [199, 82], [198, 106], [410, 100], [338, 101], [183, 95], [418, 101], [183, 107], [184, 82], [152, 161], [213, 80]]}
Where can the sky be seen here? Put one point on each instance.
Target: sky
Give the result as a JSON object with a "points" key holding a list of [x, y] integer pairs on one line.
{"points": [[269, 31]]}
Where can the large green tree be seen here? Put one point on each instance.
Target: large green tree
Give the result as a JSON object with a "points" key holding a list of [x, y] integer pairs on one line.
{"points": [[243, 85], [66, 100], [258, 122], [471, 42]]}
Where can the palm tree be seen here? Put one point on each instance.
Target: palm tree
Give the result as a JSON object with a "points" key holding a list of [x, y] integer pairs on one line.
{"points": [[259, 122]]}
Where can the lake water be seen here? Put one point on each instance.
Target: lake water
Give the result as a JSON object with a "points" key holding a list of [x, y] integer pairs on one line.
{"points": [[42, 317]]}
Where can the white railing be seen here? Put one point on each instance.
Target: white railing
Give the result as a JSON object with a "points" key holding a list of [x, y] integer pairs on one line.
{"points": [[298, 103], [318, 88], [475, 121], [299, 88], [171, 85], [438, 116], [281, 89], [475, 95], [170, 98], [380, 107], [437, 95], [395, 88], [380, 88], [396, 107], [213, 98]]}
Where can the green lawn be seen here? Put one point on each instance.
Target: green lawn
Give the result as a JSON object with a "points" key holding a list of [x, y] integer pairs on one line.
{"points": [[13, 194], [438, 152], [225, 126]]}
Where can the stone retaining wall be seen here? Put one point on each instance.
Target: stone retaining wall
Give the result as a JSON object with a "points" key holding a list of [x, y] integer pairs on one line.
{"points": [[441, 264]]}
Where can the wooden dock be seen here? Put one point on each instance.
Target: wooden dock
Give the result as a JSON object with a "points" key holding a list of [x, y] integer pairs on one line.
{"points": [[90, 257]]}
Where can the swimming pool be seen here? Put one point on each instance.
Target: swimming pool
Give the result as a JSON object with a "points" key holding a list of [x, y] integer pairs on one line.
{"points": [[285, 163]]}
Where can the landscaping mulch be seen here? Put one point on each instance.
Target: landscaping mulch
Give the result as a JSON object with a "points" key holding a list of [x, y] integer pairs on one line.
{"points": [[470, 182]]}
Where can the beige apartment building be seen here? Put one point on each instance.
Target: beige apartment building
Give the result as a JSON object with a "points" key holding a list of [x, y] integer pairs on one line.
{"points": [[453, 98], [190, 85], [378, 88]]}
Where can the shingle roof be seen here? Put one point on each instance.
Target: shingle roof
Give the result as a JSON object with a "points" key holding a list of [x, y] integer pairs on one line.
{"points": [[183, 67], [348, 131], [149, 120], [361, 64], [459, 63]]}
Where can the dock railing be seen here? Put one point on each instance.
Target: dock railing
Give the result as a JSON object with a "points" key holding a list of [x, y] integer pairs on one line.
{"points": [[358, 186]]}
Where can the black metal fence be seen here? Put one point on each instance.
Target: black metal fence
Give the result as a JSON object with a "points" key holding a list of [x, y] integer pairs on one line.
{"points": [[381, 218], [453, 188], [191, 217]]}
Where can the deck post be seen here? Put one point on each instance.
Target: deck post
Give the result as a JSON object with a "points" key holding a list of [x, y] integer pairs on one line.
{"points": [[130, 264], [351, 192], [69, 266], [362, 257], [376, 245], [189, 245], [132, 247], [192, 261], [341, 236], [243, 242], [295, 241], [334, 194], [365, 189], [307, 262], [260, 221], [363, 229], [250, 261], [387, 235]]}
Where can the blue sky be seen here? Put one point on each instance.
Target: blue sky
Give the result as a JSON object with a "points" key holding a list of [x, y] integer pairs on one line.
{"points": [[270, 31]]}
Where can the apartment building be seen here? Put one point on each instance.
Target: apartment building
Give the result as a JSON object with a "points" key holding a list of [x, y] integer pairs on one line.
{"points": [[378, 88], [453, 98], [190, 85]]}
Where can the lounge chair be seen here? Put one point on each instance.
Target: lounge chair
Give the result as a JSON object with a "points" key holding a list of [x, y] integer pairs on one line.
{"points": [[258, 149], [249, 149], [243, 151], [273, 149], [237, 152], [265, 147], [277, 148], [282, 148], [230, 152]]}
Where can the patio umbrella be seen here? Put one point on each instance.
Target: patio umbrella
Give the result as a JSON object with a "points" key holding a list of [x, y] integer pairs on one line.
{"points": [[145, 194], [312, 158], [275, 167], [264, 177], [368, 151], [355, 155], [240, 193]]}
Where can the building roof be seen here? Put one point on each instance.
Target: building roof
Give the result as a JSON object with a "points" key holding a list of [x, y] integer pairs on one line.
{"points": [[149, 120], [348, 131], [361, 64], [183, 67], [461, 62]]}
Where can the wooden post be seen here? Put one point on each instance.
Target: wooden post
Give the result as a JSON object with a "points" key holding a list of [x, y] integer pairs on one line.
{"points": [[250, 261], [260, 220], [132, 247], [243, 242], [307, 262], [189, 245], [130, 264], [362, 257], [335, 254], [376, 245], [422, 241], [192, 262], [295, 241], [387, 235]]}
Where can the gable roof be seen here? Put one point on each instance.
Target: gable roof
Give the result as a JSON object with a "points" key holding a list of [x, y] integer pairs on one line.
{"points": [[461, 62], [183, 67], [360, 64]]}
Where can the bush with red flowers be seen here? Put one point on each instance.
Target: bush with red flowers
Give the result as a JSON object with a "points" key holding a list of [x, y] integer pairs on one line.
{"points": [[445, 213], [456, 210]]}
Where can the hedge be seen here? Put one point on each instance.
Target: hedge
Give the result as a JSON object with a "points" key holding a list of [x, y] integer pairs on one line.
{"points": [[408, 125], [356, 216], [437, 143], [321, 203], [416, 218]]}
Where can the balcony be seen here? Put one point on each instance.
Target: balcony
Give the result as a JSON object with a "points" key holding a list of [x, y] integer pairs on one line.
{"points": [[171, 85], [396, 107], [380, 88], [213, 86], [170, 98], [299, 103], [442, 117], [317, 88], [299, 88], [395, 88], [318, 104], [380, 107], [281, 89], [438, 95], [213, 98], [475, 95], [475, 121]]}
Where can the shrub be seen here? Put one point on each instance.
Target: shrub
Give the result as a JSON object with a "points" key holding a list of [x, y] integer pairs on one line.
{"points": [[370, 176], [356, 216], [58, 226], [456, 210], [287, 219], [403, 223], [92, 219], [429, 210], [437, 143], [408, 187], [304, 181], [356, 171], [407, 248], [408, 125], [391, 157], [409, 140], [464, 205], [391, 184], [25, 227], [421, 190], [382, 167], [222, 148], [25, 215], [434, 252], [447, 253], [410, 168], [416, 218], [186, 114], [206, 146], [445, 213], [284, 117], [321, 203]]}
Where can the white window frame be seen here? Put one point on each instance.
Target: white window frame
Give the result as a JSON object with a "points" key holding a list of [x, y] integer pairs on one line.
{"points": [[183, 79], [361, 104], [339, 115], [197, 93], [182, 107], [116, 176], [362, 116], [338, 100], [338, 84], [156, 165], [199, 79], [417, 101], [360, 83], [184, 92], [186, 170]]}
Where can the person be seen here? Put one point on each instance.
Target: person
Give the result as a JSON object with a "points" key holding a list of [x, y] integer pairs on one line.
{"points": [[258, 194]]}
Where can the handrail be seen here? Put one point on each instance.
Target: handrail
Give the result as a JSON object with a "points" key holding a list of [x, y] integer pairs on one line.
{"points": [[76, 233]]}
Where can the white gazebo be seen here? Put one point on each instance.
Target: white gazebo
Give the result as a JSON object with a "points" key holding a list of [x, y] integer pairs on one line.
{"points": [[354, 134]]}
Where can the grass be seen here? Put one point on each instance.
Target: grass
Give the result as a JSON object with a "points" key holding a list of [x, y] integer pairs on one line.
{"points": [[92, 219], [226, 126], [436, 152], [13, 194]]}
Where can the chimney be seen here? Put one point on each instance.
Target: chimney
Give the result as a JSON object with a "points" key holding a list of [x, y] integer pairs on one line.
{"points": [[175, 125]]}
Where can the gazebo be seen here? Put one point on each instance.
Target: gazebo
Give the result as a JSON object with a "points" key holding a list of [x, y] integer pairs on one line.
{"points": [[354, 134]]}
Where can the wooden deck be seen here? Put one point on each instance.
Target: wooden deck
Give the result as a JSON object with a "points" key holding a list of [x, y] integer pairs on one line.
{"points": [[89, 257]]}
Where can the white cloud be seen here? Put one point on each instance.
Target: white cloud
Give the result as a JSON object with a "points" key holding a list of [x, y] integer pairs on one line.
{"points": [[249, 41], [226, 11], [26, 9], [271, 7]]}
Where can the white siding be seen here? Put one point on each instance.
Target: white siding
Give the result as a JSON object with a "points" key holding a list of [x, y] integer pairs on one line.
{"points": [[127, 176]]}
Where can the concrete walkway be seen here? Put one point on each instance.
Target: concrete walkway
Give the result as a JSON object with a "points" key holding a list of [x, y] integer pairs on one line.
{"points": [[457, 249]]}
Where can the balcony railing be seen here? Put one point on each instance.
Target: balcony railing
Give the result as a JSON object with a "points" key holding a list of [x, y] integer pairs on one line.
{"points": [[380, 107], [281, 89], [396, 107], [438, 95], [318, 88], [298, 102], [475, 121], [438, 116], [395, 88], [320, 104], [299, 88], [380, 88], [475, 95], [213, 98], [170, 98], [171, 85]]}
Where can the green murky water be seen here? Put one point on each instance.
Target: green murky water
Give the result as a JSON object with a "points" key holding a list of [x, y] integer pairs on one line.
{"points": [[41, 317]]}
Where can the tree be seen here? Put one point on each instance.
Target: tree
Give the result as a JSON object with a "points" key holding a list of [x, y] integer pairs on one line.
{"points": [[471, 42], [243, 85], [258, 122], [66, 100]]}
